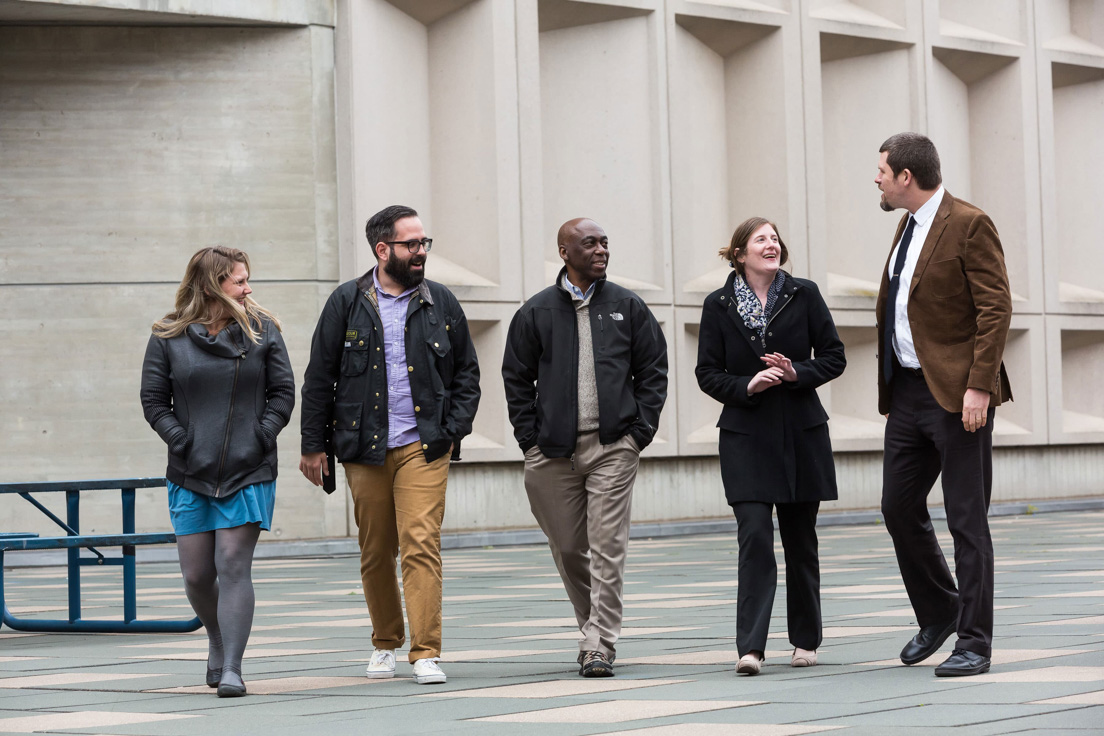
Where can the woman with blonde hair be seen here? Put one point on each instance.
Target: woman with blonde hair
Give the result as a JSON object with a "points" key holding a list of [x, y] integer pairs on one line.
{"points": [[766, 342], [217, 387]]}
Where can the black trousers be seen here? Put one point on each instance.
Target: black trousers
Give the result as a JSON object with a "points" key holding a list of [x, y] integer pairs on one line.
{"points": [[921, 440], [758, 574]]}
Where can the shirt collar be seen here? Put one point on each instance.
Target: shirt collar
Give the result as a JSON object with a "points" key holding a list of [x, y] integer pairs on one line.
{"points": [[575, 291], [928, 209], [381, 292]]}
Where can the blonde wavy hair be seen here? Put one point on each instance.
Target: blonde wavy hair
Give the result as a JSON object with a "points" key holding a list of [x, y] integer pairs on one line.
{"points": [[200, 298]]}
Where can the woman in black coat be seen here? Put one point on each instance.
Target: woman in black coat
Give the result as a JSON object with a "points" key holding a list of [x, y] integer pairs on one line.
{"points": [[766, 341], [217, 387]]}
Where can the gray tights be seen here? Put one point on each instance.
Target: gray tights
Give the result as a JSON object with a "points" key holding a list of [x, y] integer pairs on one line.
{"points": [[217, 578]]}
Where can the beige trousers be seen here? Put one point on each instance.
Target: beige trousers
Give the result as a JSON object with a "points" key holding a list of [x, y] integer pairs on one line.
{"points": [[584, 511], [399, 507]]}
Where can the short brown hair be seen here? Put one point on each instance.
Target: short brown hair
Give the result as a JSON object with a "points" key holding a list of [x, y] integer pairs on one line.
{"points": [[916, 153], [740, 240]]}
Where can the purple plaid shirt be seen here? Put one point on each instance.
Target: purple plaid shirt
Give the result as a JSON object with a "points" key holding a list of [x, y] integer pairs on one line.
{"points": [[402, 429]]}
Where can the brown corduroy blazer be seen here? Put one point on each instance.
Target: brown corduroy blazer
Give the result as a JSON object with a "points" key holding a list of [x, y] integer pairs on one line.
{"points": [[959, 307]]}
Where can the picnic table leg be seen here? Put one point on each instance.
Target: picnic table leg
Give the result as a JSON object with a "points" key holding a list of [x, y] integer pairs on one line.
{"points": [[72, 517], [130, 577]]}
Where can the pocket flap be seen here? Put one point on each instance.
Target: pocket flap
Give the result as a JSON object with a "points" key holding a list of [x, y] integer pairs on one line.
{"points": [[439, 344], [347, 415]]}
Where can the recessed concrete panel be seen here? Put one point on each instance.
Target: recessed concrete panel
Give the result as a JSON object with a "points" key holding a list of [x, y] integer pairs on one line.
{"points": [[600, 131], [697, 412], [976, 112], [991, 21], [856, 118], [727, 79], [1074, 353], [1079, 110], [433, 103], [1023, 421]]}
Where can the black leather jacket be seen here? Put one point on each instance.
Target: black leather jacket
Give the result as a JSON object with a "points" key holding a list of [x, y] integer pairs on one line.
{"points": [[218, 403], [540, 368], [345, 387]]}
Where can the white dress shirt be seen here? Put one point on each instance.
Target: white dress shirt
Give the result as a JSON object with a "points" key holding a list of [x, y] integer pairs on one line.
{"points": [[902, 331]]}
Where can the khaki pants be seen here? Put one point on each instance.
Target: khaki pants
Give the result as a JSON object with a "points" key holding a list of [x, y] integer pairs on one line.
{"points": [[399, 506], [585, 512]]}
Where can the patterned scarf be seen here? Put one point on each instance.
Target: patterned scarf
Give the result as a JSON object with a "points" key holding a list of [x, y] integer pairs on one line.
{"points": [[755, 315]]}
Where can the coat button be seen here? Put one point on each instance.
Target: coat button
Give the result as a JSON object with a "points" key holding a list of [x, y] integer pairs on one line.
{"points": [[335, 422], [360, 343], [374, 367], [354, 423], [376, 406], [421, 301], [373, 447], [410, 369], [377, 349], [425, 447], [770, 334], [446, 328], [436, 345], [722, 298], [417, 408], [377, 394], [753, 337], [375, 436]]}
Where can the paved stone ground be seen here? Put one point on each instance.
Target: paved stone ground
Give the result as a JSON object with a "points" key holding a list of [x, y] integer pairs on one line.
{"points": [[510, 653]]}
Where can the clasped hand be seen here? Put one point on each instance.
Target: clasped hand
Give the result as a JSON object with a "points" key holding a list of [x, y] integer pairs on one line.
{"points": [[779, 368]]}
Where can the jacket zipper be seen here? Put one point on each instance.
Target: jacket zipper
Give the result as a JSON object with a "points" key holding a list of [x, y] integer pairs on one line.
{"points": [[229, 418]]}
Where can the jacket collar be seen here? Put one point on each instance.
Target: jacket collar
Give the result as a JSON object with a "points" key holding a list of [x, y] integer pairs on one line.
{"points": [[727, 297], [228, 343], [935, 231], [593, 295], [366, 284]]}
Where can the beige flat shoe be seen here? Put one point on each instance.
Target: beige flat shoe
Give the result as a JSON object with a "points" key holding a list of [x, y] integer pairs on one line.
{"points": [[803, 658], [749, 664]]}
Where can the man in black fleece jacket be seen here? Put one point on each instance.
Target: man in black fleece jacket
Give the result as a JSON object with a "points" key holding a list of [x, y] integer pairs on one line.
{"points": [[585, 372]]}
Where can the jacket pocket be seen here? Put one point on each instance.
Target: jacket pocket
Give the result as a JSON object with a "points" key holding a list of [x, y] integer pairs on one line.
{"points": [[440, 356], [268, 440], [944, 279], [354, 360], [346, 425]]}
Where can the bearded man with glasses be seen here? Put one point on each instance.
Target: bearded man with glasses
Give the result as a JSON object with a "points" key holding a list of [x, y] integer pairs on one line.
{"points": [[391, 389]]}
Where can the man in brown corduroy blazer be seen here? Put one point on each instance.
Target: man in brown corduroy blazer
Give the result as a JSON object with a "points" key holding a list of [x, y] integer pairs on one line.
{"points": [[943, 313]]}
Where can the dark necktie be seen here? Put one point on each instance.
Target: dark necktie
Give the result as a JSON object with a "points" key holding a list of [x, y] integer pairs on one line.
{"points": [[891, 300]]}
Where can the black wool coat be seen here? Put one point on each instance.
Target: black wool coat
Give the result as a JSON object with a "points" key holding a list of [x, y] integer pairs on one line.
{"points": [[775, 446]]}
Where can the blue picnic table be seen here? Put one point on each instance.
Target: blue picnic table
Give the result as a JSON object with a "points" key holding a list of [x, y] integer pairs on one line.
{"points": [[73, 541]]}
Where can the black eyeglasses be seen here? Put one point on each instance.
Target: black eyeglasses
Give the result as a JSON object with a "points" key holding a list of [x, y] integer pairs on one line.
{"points": [[413, 245]]}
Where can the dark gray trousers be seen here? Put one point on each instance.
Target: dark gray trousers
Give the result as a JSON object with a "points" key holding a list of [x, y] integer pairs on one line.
{"points": [[922, 439], [758, 574]]}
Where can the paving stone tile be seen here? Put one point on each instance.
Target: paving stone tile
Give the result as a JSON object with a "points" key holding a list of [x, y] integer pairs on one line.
{"points": [[616, 711]]}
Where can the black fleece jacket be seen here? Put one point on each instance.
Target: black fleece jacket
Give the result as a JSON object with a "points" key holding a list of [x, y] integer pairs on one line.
{"points": [[541, 365]]}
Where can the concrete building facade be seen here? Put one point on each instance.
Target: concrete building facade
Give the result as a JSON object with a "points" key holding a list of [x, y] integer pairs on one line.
{"points": [[134, 132]]}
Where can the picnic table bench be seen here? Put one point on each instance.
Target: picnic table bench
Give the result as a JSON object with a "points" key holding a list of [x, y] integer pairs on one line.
{"points": [[73, 542]]}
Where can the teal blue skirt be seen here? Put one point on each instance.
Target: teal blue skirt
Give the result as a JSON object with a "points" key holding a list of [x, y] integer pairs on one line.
{"points": [[192, 512]]}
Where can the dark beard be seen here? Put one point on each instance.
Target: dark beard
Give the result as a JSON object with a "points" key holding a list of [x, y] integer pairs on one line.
{"points": [[885, 205], [399, 270]]}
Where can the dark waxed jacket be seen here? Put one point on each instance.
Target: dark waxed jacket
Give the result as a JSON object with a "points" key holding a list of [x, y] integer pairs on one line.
{"points": [[778, 449], [345, 387], [540, 368], [218, 403]]}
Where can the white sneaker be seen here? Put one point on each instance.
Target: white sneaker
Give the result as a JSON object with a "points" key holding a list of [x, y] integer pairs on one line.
{"points": [[382, 664], [426, 671]]}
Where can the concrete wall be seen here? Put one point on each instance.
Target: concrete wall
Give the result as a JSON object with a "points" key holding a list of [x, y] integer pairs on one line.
{"points": [[129, 137], [123, 149]]}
